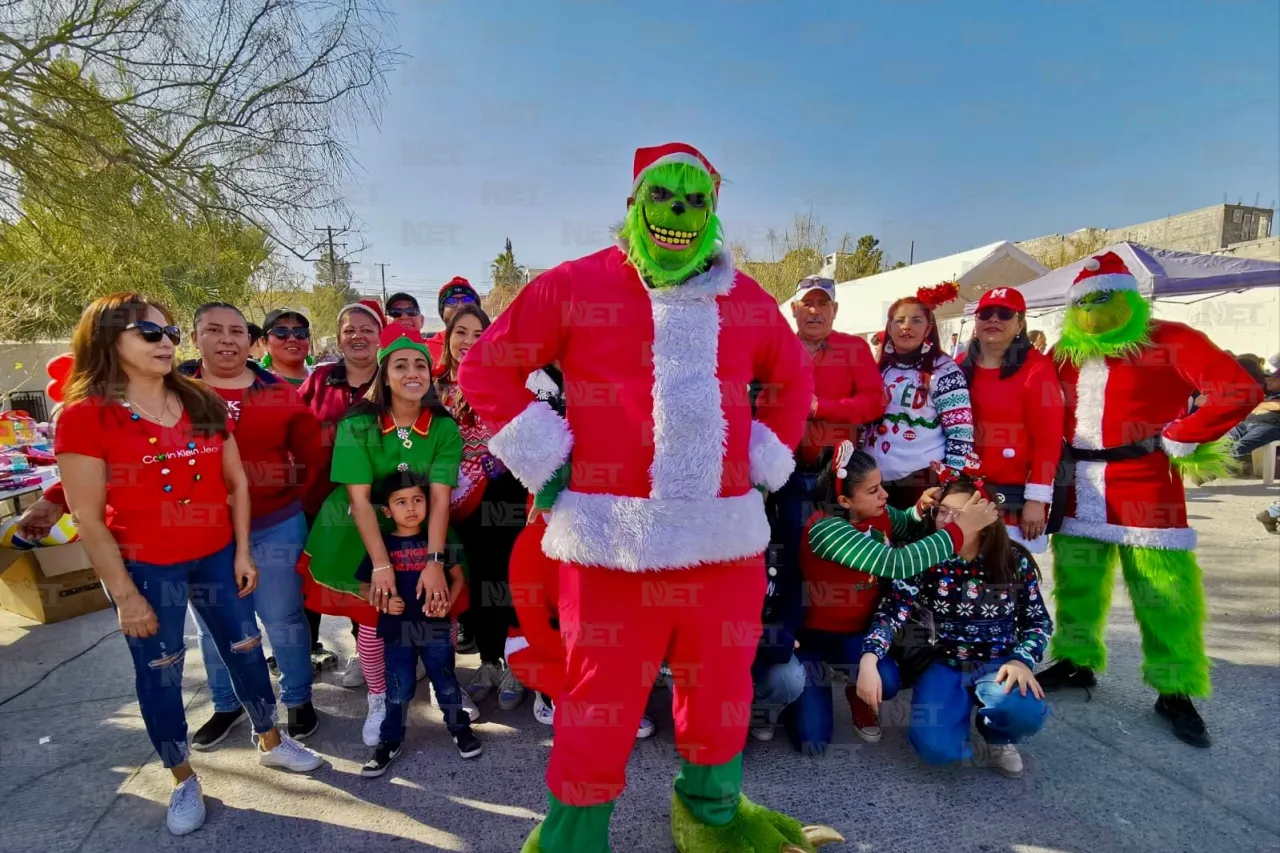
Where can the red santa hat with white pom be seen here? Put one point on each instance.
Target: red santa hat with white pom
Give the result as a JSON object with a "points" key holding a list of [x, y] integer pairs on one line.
{"points": [[672, 152], [1102, 272]]}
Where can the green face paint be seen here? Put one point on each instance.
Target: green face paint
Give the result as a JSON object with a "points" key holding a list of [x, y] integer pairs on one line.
{"points": [[1104, 323], [671, 228]]}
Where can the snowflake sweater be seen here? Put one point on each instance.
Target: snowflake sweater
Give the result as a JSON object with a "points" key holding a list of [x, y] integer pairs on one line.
{"points": [[922, 425], [970, 618]]}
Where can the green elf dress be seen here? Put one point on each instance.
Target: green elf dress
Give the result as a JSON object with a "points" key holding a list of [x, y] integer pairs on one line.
{"points": [[367, 448]]}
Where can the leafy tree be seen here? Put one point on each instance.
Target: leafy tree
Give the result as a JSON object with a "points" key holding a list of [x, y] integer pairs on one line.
{"points": [[257, 98], [867, 258], [508, 278]]}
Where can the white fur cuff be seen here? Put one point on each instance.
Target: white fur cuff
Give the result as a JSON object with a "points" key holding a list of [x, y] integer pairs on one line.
{"points": [[534, 445], [1038, 492], [1176, 449], [515, 644], [771, 461]]}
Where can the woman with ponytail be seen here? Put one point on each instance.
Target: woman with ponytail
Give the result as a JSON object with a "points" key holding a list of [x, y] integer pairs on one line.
{"points": [[1018, 416], [927, 417], [847, 547]]}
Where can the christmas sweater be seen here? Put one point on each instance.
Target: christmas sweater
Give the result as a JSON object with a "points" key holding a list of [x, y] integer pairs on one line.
{"points": [[925, 420], [836, 540], [969, 618]]}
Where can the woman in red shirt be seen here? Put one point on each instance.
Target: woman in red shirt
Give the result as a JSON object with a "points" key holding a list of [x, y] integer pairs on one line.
{"points": [[1018, 415], [157, 447]]}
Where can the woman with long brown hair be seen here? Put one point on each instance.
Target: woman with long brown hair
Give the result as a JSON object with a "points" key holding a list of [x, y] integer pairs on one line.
{"points": [[927, 417], [157, 447], [989, 628], [488, 517]]}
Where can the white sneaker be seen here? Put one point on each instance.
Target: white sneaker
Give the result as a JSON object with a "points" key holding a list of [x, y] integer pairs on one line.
{"points": [[647, 728], [186, 807], [510, 691], [288, 755], [372, 732], [354, 675], [543, 710], [1002, 758], [485, 681], [764, 734]]}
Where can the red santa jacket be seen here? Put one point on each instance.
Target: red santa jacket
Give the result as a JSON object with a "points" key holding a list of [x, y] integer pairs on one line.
{"points": [[665, 452], [1017, 425], [850, 393], [1113, 402]]}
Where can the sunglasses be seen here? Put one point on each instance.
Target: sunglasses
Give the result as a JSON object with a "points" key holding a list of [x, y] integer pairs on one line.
{"points": [[1001, 311], [397, 313], [152, 332], [463, 299], [300, 333]]}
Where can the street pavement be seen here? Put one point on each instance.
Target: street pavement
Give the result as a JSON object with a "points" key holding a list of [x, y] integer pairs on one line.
{"points": [[1105, 774]]}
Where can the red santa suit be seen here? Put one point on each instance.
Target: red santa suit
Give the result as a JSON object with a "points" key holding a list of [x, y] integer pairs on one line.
{"points": [[1121, 401], [661, 531]]}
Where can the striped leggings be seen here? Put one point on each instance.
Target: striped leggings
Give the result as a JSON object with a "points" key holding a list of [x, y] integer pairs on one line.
{"points": [[372, 662]]}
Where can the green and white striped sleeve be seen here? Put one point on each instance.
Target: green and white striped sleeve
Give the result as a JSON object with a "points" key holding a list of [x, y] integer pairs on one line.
{"points": [[907, 524], [840, 542]]}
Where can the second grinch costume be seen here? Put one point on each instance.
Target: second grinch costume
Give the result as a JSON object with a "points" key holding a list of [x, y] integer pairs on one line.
{"points": [[661, 530]]}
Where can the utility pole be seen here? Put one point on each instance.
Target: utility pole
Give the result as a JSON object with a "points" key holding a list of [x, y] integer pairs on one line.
{"points": [[384, 281], [333, 258]]}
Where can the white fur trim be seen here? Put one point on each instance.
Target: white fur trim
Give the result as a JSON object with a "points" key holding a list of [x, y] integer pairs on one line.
{"points": [[674, 157], [771, 461], [534, 445], [541, 384], [1036, 546], [716, 281], [641, 534], [1175, 449], [1095, 283], [1091, 492], [1091, 477], [1038, 492], [689, 427], [1168, 538], [514, 644]]}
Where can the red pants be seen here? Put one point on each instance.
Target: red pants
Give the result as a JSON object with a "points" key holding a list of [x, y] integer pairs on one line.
{"points": [[618, 627]]}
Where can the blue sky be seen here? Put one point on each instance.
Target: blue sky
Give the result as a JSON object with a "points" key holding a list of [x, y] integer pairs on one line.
{"points": [[951, 124]]}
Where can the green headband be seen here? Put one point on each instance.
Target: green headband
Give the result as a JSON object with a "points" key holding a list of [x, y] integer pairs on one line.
{"points": [[405, 342]]}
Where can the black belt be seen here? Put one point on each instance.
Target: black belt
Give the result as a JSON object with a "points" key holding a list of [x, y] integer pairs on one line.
{"points": [[1124, 452]]}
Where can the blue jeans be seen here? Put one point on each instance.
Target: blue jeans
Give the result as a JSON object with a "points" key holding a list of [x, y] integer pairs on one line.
{"points": [[793, 504], [776, 688], [209, 585], [432, 643], [813, 718], [1250, 434], [278, 603], [944, 700]]}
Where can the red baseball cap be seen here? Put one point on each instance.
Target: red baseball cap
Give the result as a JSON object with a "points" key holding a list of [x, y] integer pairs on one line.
{"points": [[1003, 297]]}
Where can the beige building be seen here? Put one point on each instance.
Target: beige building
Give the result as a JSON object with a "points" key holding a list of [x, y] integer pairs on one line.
{"points": [[1208, 229]]}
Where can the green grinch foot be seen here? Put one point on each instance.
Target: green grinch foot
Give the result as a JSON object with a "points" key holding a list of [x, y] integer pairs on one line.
{"points": [[531, 843], [753, 829]]}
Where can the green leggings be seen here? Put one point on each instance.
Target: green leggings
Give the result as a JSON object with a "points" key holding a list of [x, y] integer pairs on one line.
{"points": [[1168, 602]]}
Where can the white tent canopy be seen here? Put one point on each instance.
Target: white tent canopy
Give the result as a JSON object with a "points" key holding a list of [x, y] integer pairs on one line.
{"points": [[864, 302], [1161, 274]]}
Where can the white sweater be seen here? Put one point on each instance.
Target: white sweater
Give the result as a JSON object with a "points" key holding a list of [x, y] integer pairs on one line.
{"points": [[922, 426]]}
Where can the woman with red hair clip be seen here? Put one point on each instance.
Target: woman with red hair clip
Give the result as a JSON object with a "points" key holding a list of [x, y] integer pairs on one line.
{"points": [[927, 415]]}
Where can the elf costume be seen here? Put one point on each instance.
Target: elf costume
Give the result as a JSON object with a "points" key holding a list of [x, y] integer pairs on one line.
{"points": [[1127, 381], [661, 531]]}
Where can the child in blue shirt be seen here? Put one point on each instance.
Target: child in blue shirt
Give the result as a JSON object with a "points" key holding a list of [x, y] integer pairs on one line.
{"points": [[411, 630]]}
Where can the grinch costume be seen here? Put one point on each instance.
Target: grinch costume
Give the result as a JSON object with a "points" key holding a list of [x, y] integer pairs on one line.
{"points": [[661, 531], [1128, 380]]}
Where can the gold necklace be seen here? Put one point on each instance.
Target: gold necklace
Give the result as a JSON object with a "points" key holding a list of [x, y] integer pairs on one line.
{"points": [[164, 409]]}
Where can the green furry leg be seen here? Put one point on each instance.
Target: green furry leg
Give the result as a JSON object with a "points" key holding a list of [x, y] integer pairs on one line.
{"points": [[1083, 577], [571, 829], [753, 829], [1168, 601]]}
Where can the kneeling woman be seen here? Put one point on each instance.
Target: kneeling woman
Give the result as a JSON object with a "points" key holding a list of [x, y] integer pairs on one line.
{"points": [[991, 628], [847, 548]]}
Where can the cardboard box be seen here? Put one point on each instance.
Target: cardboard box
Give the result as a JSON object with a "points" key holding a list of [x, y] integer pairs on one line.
{"points": [[50, 584]]}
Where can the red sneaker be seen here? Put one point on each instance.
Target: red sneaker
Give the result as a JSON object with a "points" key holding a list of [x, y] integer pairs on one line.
{"points": [[866, 722]]}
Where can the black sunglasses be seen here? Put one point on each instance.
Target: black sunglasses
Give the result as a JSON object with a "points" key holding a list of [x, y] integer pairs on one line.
{"points": [[152, 332], [1000, 311], [397, 313], [300, 333], [460, 299]]}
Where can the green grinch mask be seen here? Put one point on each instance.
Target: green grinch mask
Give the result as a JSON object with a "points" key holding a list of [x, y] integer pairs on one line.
{"points": [[1104, 323], [671, 229]]}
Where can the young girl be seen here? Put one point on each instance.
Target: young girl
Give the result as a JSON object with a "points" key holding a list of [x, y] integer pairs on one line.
{"points": [[991, 628], [847, 546]]}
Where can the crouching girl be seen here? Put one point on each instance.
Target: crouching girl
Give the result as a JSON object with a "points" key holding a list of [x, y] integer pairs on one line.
{"points": [[847, 547], [990, 628]]}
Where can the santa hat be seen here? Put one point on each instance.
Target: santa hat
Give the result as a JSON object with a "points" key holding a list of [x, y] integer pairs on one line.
{"points": [[368, 306], [1102, 272], [671, 152]]}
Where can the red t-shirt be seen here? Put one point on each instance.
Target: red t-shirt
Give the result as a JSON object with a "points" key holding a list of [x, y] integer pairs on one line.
{"points": [[164, 483]]}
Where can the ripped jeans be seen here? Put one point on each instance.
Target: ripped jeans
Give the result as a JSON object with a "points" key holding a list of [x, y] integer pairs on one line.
{"points": [[209, 584]]}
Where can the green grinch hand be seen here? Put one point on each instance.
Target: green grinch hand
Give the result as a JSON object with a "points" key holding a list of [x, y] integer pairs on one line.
{"points": [[754, 829]]}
